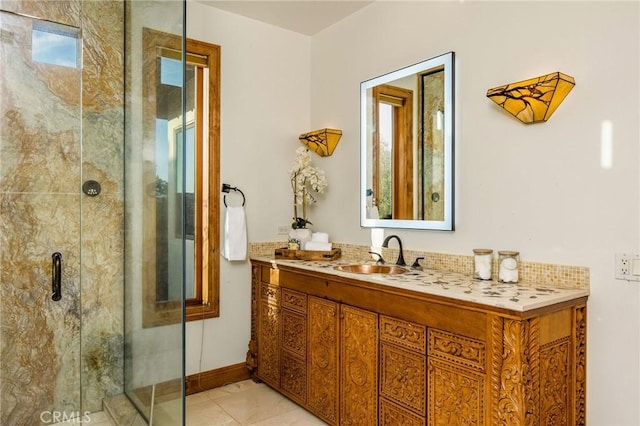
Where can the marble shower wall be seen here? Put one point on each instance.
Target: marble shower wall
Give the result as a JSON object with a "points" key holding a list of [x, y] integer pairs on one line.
{"points": [[60, 127]]}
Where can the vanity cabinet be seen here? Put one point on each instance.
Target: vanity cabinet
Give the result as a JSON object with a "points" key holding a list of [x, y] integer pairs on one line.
{"points": [[355, 352], [322, 368]]}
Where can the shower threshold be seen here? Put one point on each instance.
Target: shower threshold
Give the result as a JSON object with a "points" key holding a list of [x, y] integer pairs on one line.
{"points": [[121, 411]]}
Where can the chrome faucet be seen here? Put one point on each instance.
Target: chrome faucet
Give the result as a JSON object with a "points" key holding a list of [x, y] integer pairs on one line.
{"points": [[385, 244]]}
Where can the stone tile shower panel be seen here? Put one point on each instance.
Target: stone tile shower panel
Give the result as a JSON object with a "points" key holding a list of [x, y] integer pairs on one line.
{"points": [[63, 11], [39, 171], [103, 94], [39, 337], [102, 216], [61, 126], [41, 118], [102, 300]]}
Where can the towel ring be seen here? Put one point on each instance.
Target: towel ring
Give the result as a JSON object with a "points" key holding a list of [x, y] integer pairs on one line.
{"points": [[227, 188]]}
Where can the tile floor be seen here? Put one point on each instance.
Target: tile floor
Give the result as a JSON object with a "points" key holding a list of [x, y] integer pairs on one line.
{"points": [[246, 403], [242, 403], [95, 419]]}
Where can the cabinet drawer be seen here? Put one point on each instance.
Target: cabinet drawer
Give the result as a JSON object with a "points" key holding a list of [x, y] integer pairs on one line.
{"points": [[294, 333], [403, 333], [269, 292], [403, 377], [294, 377], [457, 349], [294, 300], [394, 415]]}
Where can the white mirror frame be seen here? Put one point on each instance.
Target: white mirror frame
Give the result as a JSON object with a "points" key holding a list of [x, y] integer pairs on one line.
{"points": [[446, 60]]}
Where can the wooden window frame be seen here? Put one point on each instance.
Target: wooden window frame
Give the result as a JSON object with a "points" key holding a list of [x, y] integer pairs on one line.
{"points": [[206, 301]]}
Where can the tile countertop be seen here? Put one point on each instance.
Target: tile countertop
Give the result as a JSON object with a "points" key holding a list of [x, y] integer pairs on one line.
{"points": [[519, 297]]}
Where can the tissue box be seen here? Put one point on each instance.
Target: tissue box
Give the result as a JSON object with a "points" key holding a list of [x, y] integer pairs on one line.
{"points": [[285, 253]]}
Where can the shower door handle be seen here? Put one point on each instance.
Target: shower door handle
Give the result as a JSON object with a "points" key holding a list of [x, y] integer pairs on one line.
{"points": [[56, 276]]}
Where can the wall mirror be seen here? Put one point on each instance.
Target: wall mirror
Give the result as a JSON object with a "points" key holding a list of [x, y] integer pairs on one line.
{"points": [[407, 147]]}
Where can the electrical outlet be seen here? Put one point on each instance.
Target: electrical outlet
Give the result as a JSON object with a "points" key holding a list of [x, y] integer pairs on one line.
{"points": [[622, 266], [627, 266], [283, 229]]}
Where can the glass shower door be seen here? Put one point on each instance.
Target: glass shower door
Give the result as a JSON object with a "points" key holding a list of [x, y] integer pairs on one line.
{"points": [[40, 221], [155, 230]]}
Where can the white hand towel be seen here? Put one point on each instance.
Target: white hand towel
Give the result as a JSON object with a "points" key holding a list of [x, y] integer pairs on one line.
{"points": [[235, 234], [318, 246], [321, 237]]}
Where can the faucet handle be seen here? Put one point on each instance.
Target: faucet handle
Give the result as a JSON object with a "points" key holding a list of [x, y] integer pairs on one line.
{"points": [[416, 264], [380, 260]]}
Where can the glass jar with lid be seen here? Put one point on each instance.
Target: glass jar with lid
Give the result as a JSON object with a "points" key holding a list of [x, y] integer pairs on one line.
{"points": [[508, 263], [482, 264]]}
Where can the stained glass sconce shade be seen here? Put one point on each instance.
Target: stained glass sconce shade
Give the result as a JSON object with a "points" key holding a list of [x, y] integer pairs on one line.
{"points": [[533, 100], [322, 142]]}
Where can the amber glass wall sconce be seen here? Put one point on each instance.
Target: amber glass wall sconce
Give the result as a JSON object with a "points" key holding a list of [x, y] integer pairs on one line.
{"points": [[533, 100], [322, 141]]}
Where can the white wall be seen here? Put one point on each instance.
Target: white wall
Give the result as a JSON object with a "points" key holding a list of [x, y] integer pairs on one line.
{"points": [[265, 105], [539, 189]]}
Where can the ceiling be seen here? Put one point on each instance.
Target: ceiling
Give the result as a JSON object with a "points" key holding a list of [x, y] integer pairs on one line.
{"points": [[304, 17]]}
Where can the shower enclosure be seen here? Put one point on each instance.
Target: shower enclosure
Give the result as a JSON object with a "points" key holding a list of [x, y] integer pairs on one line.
{"points": [[70, 226]]}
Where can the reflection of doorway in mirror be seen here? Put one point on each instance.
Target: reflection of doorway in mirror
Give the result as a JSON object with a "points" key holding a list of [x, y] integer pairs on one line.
{"points": [[393, 152]]}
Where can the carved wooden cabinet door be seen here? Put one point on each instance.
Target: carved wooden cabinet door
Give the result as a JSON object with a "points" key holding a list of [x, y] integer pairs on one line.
{"points": [[322, 358], [455, 395], [294, 354], [394, 415], [403, 372], [456, 379], [294, 377], [269, 335], [359, 366]]}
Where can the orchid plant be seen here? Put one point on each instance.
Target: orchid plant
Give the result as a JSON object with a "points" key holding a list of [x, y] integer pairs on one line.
{"points": [[306, 180]]}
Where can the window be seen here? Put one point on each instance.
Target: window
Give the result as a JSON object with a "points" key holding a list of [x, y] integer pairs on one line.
{"points": [[55, 44], [182, 165]]}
